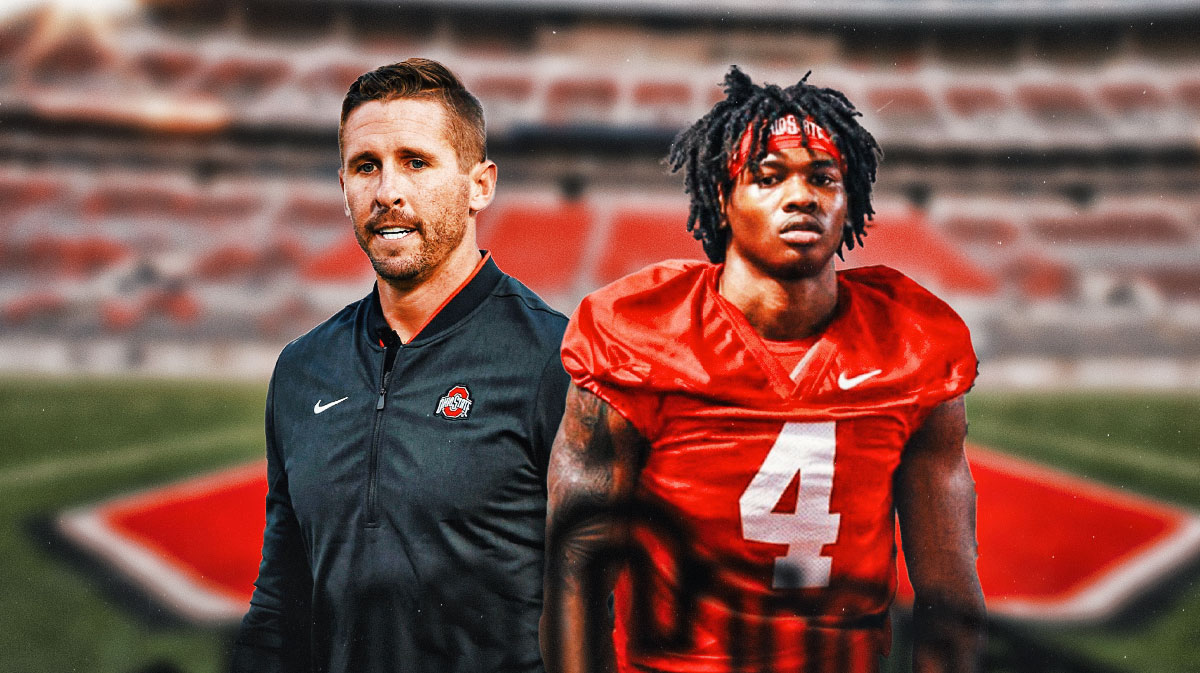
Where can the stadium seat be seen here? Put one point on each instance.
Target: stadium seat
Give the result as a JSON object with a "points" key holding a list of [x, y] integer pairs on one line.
{"points": [[1175, 284], [167, 67], [580, 101], [1187, 91], [539, 242], [342, 262], [981, 230], [973, 102], [228, 261], [69, 56], [35, 306], [1133, 98], [1057, 105], [903, 106], [71, 256], [19, 192], [313, 209], [1110, 228], [663, 104], [903, 240], [242, 79], [1036, 277], [641, 236], [137, 198]]}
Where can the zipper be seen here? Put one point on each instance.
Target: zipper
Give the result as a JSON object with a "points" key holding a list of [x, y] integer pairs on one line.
{"points": [[389, 360]]}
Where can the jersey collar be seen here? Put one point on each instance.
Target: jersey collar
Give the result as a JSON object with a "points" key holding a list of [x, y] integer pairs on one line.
{"points": [[465, 299]]}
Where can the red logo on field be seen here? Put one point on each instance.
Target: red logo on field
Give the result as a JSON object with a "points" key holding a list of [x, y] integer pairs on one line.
{"points": [[455, 404]]}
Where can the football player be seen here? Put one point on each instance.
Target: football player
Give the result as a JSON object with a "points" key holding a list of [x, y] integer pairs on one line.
{"points": [[741, 435]]}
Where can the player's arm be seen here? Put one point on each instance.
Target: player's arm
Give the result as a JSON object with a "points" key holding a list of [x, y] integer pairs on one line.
{"points": [[592, 475], [275, 633], [935, 499]]}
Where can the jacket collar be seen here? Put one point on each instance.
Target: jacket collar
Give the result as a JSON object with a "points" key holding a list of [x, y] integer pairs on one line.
{"points": [[461, 303]]}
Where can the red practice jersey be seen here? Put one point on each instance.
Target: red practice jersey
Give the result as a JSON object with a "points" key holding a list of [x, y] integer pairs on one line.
{"points": [[765, 530]]}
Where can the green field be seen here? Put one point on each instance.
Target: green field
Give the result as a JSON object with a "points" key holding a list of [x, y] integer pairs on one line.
{"points": [[69, 443]]}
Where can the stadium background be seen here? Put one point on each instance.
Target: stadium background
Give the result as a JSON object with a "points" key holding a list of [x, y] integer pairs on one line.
{"points": [[170, 217]]}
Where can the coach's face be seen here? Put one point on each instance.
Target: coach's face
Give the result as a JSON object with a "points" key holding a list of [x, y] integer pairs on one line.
{"points": [[413, 206], [786, 222]]}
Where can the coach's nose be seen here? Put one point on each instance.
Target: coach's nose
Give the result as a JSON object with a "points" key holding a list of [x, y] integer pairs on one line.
{"points": [[392, 188]]}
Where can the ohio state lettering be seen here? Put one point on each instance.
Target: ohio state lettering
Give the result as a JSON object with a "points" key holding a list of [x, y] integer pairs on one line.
{"points": [[455, 404]]}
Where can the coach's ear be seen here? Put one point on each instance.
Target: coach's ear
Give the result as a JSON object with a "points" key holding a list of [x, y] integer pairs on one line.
{"points": [[483, 185]]}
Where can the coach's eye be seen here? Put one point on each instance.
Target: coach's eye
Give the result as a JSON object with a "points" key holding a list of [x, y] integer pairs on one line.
{"points": [[366, 167], [768, 180], [417, 164]]}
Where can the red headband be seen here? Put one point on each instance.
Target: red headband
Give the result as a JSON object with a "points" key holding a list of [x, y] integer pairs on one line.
{"points": [[787, 132]]}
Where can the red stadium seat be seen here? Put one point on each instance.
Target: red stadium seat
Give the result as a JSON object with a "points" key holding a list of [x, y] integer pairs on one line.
{"points": [[313, 212], [230, 261], [906, 242], [18, 193], [76, 56], [662, 103], [216, 209], [1039, 278], [502, 87], [34, 306], [342, 262], [1057, 104], [1175, 284], [981, 230], [1132, 97], [641, 236], [1188, 93], [167, 67], [1110, 228], [138, 200], [580, 101], [971, 101], [903, 105], [333, 79], [243, 78], [539, 243], [70, 255]]}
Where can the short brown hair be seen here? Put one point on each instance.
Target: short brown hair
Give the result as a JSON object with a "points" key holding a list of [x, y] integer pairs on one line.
{"points": [[425, 78]]}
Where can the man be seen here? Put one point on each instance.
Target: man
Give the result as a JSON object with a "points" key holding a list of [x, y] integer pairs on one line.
{"points": [[407, 436], [741, 434]]}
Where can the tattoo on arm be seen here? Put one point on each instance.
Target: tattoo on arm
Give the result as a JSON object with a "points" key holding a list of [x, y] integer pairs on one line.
{"points": [[591, 481]]}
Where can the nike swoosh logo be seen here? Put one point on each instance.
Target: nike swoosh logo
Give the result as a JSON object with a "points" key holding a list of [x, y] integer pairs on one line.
{"points": [[848, 382], [318, 407]]}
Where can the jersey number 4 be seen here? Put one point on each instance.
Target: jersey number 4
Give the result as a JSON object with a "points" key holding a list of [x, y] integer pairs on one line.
{"points": [[807, 449]]}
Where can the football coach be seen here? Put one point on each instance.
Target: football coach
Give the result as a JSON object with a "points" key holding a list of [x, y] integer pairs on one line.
{"points": [[408, 435]]}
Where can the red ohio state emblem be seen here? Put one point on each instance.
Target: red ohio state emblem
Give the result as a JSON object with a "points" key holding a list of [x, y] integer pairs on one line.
{"points": [[455, 404]]}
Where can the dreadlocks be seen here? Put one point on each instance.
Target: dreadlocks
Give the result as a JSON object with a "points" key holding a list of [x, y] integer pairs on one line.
{"points": [[704, 151]]}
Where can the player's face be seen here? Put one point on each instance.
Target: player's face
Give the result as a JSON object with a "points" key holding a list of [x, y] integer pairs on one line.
{"points": [[411, 204], [786, 222]]}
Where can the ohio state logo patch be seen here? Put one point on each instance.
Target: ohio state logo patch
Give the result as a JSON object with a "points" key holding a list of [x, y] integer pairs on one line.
{"points": [[455, 404]]}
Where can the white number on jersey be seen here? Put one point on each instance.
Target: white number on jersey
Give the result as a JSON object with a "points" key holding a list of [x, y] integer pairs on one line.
{"points": [[807, 449]]}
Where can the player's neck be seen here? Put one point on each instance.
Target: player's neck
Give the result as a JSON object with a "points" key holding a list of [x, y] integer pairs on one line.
{"points": [[409, 305], [781, 309]]}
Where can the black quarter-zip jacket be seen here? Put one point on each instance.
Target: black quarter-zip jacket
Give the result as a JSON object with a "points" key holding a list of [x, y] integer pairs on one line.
{"points": [[406, 503]]}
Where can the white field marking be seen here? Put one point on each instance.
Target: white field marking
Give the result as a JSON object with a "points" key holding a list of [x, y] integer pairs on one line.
{"points": [[36, 474], [1173, 468], [177, 587]]}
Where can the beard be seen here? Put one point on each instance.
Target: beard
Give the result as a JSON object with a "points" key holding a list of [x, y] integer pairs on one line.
{"points": [[435, 243]]}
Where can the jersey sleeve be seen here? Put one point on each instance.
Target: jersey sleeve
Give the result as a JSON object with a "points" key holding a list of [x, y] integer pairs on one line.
{"points": [[632, 341], [600, 361], [934, 334]]}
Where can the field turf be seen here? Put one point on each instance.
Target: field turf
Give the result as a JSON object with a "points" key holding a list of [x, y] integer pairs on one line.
{"points": [[68, 443]]}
